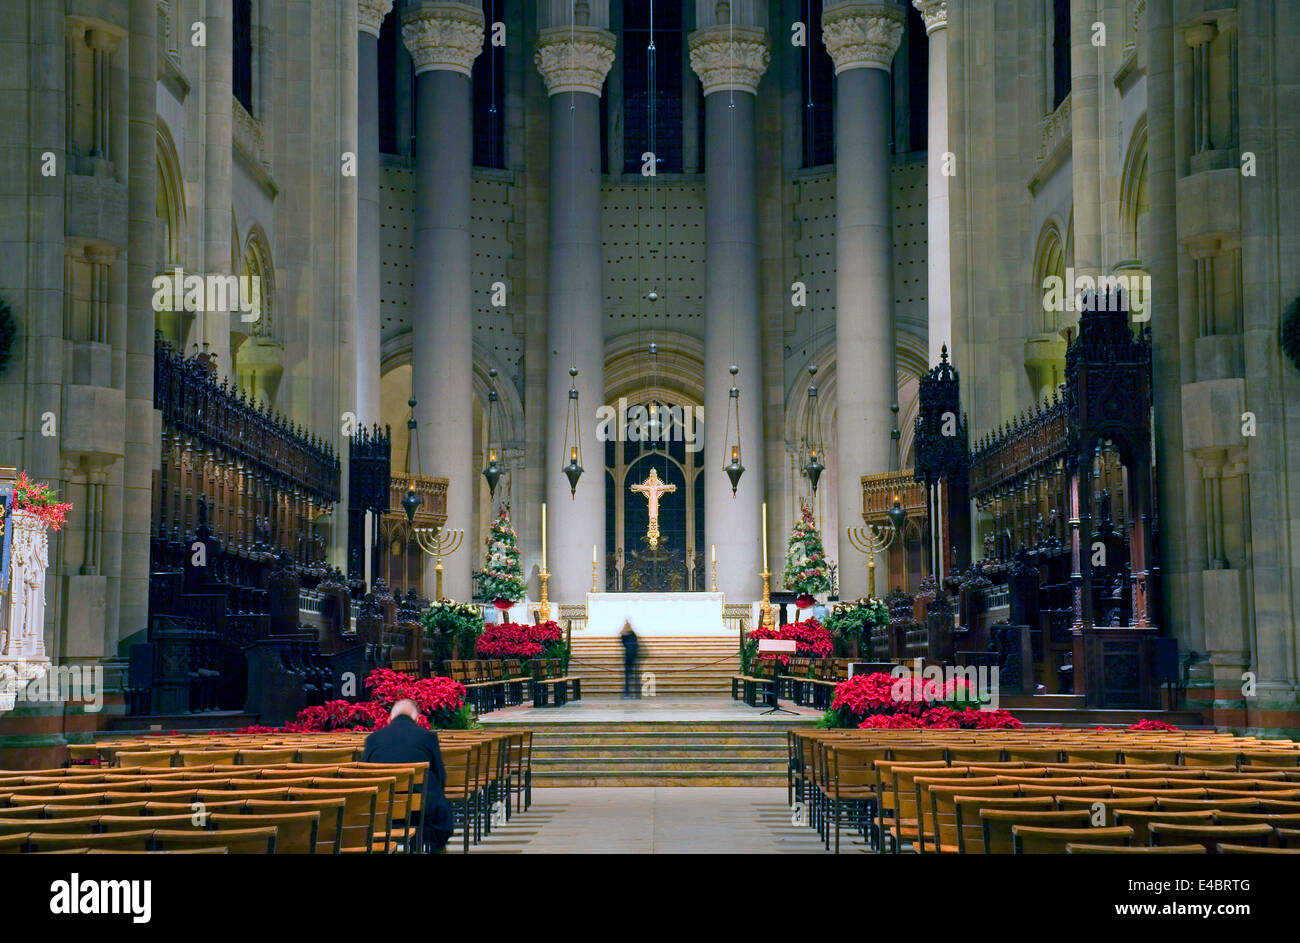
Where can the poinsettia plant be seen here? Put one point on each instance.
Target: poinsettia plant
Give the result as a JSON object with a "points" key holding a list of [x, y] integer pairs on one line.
{"points": [[518, 640], [447, 622], [811, 638], [36, 498], [881, 700], [441, 702]]}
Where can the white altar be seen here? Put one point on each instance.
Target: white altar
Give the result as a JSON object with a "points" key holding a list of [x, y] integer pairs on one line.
{"points": [[698, 615]]}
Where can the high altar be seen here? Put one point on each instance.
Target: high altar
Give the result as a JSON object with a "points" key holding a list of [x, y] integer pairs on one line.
{"points": [[698, 615]]}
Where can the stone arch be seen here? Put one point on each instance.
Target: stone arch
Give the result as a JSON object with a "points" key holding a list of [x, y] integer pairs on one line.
{"points": [[171, 249], [679, 372], [1050, 260], [1134, 202], [258, 357]]}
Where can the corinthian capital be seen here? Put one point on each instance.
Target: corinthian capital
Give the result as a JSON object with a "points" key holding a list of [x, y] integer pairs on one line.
{"points": [[574, 58], [443, 35], [862, 35], [933, 12], [370, 15], [729, 57]]}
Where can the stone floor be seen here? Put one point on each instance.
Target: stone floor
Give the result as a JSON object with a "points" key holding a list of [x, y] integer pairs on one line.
{"points": [[664, 820], [616, 710]]}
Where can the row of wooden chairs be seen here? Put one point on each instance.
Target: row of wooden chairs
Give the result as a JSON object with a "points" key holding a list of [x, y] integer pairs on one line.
{"points": [[834, 774], [490, 683], [487, 774]]}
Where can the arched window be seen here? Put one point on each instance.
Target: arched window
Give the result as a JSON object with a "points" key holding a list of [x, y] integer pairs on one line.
{"points": [[817, 80], [1060, 54], [663, 73], [257, 265], [169, 205], [1049, 263], [1134, 205]]}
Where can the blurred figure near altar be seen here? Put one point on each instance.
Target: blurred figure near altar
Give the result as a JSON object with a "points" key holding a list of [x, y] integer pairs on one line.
{"points": [[631, 649]]}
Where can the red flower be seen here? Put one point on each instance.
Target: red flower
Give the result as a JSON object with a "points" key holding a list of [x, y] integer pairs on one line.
{"points": [[1148, 724]]}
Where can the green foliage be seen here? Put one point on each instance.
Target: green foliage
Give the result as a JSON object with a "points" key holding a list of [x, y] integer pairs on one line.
{"points": [[462, 718], [502, 576], [829, 721], [447, 622], [806, 568], [855, 620]]}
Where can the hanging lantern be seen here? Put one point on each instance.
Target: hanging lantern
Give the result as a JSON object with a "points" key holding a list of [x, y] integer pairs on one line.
{"points": [[411, 502], [573, 446], [897, 515], [813, 459], [731, 455], [493, 471]]}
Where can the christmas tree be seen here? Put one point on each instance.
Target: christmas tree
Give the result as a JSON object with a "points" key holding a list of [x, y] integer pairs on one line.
{"points": [[807, 571], [502, 577]]}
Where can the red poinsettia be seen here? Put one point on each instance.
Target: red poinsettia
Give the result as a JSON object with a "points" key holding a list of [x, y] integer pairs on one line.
{"points": [[880, 700], [37, 499], [1147, 723], [518, 640], [811, 638]]}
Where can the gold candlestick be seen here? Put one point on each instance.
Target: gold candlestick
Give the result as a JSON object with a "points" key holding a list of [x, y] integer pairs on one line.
{"points": [[765, 618], [543, 605]]}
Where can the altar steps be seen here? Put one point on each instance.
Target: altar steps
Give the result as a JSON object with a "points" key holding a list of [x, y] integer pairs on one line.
{"points": [[660, 753], [680, 666]]}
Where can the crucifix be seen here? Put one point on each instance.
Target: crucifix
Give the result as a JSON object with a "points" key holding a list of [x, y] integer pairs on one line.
{"points": [[653, 489]]}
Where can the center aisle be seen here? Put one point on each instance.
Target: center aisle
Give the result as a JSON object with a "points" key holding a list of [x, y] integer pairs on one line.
{"points": [[663, 820]]}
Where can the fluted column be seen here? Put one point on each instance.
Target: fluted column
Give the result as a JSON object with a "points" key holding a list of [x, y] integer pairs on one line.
{"points": [[938, 270], [213, 327], [862, 38], [730, 60], [444, 39], [370, 16], [574, 60]]}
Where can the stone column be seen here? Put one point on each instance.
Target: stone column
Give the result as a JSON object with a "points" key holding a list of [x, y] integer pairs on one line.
{"points": [[862, 38], [574, 59], [1085, 152], [444, 39], [140, 447], [938, 291], [370, 15], [730, 59], [213, 327]]}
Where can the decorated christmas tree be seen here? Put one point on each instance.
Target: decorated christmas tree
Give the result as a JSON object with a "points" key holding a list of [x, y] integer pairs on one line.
{"points": [[502, 577], [807, 571]]}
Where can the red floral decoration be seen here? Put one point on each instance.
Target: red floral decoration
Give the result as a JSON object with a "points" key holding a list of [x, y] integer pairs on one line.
{"points": [[437, 698], [518, 640], [1147, 723], [37, 499], [882, 701], [811, 638]]}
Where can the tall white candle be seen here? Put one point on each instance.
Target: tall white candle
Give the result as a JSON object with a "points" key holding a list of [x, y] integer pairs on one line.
{"points": [[593, 554], [543, 536], [713, 553], [764, 536]]}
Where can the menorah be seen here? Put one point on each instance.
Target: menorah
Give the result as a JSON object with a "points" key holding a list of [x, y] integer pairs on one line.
{"points": [[438, 543], [871, 540]]}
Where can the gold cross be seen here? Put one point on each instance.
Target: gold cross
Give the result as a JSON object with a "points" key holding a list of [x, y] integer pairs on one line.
{"points": [[653, 489]]}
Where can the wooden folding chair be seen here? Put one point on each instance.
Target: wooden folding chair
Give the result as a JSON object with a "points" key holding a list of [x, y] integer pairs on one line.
{"points": [[998, 823], [122, 841], [1228, 848], [1036, 840], [329, 817], [1168, 833], [1080, 848], [1140, 820], [360, 802], [295, 832], [242, 841]]}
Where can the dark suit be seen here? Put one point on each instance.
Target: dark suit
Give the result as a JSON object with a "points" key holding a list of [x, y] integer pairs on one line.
{"points": [[405, 741], [631, 648]]}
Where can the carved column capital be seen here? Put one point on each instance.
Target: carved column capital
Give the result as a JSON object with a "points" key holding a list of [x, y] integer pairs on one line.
{"points": [[574, 58], [862, 35], [934, 13], [729, 57], [370, 15], [443, 35]]}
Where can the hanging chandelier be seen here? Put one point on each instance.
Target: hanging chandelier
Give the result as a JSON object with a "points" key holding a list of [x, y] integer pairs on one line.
{"points": [[411, 502], [493, 471], [731, 450], [813, 448], [573, 446]]}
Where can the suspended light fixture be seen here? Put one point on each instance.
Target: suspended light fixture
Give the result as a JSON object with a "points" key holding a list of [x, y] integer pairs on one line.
{"points": [[897, 514], [813, 458], [493, 472], [731, 450], [411, 502], [573, 446]]}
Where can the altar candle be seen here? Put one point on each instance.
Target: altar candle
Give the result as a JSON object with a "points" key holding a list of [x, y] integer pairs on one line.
{"points": [[543, 536], [713, 553], [764, 536], [594, 561]]}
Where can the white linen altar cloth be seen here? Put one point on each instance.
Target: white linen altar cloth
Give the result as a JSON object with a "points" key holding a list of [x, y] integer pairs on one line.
{"points": [[655, 614]]}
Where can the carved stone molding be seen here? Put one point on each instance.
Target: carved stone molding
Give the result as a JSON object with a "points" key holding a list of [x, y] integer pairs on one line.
{"points": [[729, 58], [446, 36], [862, 35], [934, 13], [575, 59], [370, 15], [1055, 131]]}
